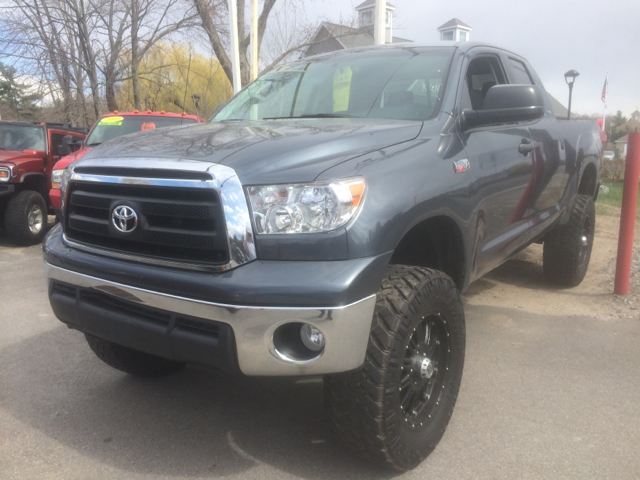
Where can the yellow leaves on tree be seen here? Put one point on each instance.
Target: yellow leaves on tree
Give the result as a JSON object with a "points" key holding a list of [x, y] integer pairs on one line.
{"points": [[175, 79]]}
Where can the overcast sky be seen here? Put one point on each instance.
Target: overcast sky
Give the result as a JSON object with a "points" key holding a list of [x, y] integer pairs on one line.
{"points": [[590, 36]]}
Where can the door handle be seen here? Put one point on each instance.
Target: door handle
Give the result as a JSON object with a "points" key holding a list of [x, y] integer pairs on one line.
{"points": [[526, 147]]}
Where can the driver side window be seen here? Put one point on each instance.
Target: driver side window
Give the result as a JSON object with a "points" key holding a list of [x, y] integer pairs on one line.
{"points": [[482, 73]]}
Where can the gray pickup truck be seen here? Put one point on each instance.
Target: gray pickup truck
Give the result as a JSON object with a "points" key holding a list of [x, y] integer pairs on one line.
{"points": [[324, 222]]}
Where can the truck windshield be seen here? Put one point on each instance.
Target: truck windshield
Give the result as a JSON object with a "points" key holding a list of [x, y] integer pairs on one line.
{"points": [[21, 137], [396, 83], [114, 126]]}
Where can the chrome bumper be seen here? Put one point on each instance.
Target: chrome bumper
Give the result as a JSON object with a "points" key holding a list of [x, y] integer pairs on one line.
{"points": [[346, 329]]}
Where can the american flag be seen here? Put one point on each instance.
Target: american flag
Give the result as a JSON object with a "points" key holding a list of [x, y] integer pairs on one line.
{"points": [[604, 91]]}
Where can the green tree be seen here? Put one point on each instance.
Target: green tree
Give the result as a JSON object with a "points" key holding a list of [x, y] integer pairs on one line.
{"points": [[175, 79], [619, 119], [15, 96], [618, 130]]}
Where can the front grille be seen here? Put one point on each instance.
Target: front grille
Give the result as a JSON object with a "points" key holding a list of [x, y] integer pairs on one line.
{"points": [[174, 223]]}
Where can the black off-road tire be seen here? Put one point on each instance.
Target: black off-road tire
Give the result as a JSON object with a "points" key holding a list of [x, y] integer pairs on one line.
{"points": [[16, 218], [132, 361], [567, 248], [365, 407]]}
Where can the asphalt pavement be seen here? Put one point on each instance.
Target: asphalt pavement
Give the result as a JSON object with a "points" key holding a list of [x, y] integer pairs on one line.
{"points": [[542, 397]]}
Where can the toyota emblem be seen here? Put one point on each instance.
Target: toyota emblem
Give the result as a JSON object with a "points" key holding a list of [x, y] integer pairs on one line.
{"points": [[124, 218]]}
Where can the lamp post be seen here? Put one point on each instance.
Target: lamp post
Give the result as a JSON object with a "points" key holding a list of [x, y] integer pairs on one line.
{"points": [[570, 78]]}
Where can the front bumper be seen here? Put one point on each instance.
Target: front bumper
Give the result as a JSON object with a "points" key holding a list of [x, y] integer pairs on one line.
{"points": [[230, 336], [346, 329]]}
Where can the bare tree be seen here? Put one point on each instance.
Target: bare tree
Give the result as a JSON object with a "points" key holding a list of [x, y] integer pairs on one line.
{"points": [[152, 21], [289, 33], [213, 14]]}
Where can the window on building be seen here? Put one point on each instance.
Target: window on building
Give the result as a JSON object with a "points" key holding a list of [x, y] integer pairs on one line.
{"points": [[447, 35], [463, 36], [366, 18], [387, 18]]}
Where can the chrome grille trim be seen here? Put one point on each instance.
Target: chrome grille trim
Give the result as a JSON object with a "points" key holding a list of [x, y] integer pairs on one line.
{"points": [[238, 229]]}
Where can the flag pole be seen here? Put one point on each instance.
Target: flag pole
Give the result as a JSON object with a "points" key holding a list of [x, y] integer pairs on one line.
{"points": [[604, 114]]}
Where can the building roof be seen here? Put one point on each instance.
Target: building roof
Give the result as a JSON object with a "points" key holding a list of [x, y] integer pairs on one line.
{"points": [[631, 125], [371, 3], [635, 113], [624, 139], [350, 37], [454, 23]]}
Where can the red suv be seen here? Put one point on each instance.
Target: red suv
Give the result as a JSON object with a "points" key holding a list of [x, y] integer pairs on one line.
{"points": [[108, 127], [28, 152]]}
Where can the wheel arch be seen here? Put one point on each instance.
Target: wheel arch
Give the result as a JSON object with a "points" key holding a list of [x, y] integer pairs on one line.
{"points": [[588, 182], [36, 182], [435, 242]]}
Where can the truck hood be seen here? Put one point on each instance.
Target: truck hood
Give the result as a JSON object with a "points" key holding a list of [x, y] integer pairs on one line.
{"points": [[67, 159], [15, 156], [264, 151]]}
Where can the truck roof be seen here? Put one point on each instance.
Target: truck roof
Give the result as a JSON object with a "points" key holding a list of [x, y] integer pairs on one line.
{"points": [[462, 46], [146, 113], [56, 125]]}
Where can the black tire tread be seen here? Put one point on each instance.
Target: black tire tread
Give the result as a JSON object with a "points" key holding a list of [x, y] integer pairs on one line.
{"points": [[132, 361], [561, 247], [15, 219], [356, 401]]}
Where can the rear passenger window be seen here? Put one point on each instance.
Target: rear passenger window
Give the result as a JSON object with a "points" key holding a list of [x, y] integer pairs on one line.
{"points": [[519, 73], [482, 73]]}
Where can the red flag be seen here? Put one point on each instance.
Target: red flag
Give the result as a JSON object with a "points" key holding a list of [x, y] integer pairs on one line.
{"points": [[604, 91]]}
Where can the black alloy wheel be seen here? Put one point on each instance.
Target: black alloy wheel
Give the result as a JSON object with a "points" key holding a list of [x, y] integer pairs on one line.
{"points": [[395, 409], [423, 372]]}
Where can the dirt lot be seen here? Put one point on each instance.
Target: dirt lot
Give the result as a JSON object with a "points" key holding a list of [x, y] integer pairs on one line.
{"points": [[519, 283]]}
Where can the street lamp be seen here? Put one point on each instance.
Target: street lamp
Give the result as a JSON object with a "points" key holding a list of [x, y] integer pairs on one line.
{"points": [[570, 77]]}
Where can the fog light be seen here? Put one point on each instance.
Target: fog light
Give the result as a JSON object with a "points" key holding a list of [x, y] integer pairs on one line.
{"points": [[312, 337]]}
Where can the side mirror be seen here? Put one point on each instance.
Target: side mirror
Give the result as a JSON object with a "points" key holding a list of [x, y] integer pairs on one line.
{"points": [[219, 107], [506, 104], [68, 146], [65, 148]]}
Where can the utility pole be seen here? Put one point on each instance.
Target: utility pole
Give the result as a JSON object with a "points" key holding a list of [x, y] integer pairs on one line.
{"points": [[235, 55], [254, 39], [380, 30]]}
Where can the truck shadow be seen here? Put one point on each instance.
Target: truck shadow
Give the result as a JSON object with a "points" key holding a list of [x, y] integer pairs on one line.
{"points": [[193, 423]]}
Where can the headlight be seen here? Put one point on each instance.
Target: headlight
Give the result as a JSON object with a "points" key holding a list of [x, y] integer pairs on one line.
{"points": [[56, 178], [66, 176], [5, 174], [307, 207]]}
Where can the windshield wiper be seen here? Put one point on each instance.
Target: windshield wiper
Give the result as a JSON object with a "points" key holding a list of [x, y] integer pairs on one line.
{"points": [[314, 115], [326, 115], [93, 144]]}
